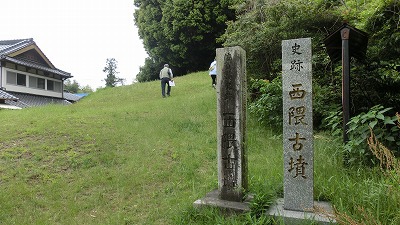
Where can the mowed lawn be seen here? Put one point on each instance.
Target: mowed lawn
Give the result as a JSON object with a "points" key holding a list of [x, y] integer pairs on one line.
{"points": [[126, 155], [121, 155]]}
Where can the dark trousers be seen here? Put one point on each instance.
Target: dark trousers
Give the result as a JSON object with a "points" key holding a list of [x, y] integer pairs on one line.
{"points": [[164, 81], [214, 78]]}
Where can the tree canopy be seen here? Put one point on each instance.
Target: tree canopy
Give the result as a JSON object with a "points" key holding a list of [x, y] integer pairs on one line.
{"points": [[74, 87], [181, 33]]}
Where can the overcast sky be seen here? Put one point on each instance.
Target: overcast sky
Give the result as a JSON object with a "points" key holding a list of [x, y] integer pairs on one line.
{"points": [[78, 36]]}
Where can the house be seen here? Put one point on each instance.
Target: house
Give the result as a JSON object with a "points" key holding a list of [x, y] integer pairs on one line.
{"points": [[27, 77]]}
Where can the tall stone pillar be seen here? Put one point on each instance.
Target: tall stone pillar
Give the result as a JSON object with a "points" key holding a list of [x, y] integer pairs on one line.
{"points": [[231, 133], [231, 123]]}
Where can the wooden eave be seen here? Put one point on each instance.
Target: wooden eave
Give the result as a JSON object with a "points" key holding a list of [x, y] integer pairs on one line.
{"points": [[37, 66], [358, 41]]}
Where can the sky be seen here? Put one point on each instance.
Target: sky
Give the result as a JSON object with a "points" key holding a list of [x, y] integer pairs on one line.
{"points": [[78, 36]]}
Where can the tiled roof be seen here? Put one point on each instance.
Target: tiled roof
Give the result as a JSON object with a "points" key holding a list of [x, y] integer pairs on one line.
{"points": [[27, 100], [9, 46], [6, 96], [72, 97], [18, 104]]}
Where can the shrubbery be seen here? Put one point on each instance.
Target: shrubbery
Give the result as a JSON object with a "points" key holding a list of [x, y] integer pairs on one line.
{"points": [[376, 120], [267, 101], [374, 79]]}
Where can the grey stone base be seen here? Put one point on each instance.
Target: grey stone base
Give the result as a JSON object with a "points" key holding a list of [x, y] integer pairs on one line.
{"points": [[212, 199], [299, 217]]}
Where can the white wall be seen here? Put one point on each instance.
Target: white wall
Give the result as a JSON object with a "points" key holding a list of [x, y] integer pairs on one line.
{"points": [[28, 90]]}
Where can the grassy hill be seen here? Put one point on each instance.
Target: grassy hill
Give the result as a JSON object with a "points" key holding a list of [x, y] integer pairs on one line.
{"points": [[127, 156], [120, 155]]}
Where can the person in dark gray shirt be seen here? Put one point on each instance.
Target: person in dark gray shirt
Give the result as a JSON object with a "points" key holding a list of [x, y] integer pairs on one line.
{"points": [[166, 76]]}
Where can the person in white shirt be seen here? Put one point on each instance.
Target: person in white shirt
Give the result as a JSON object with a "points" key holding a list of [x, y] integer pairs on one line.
{"points": [[213, 73]]}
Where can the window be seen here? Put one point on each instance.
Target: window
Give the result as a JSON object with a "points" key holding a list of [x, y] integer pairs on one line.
{"points": [[35, 82], [11, 78], [14, 78], [53, 86], [21, 79], [57, 86], [50, 85], [41, 83], [32, 82]]}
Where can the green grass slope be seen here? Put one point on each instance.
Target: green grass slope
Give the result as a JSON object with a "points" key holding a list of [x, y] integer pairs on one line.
{"points": [[121, 155], [127, 156]]}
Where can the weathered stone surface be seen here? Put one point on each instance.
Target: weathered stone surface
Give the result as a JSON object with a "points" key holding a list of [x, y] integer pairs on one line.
{"points": [[231, 133], [212, 199], [231, 123], [298, 153], [322, 213]]}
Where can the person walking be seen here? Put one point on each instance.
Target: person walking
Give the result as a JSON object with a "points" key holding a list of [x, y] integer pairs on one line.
{"points": [[166, 76], [213, 73]]}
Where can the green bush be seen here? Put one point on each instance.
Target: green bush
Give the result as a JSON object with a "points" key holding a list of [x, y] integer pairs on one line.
{"points": [[334, 122], [266, 102], [359, 129], [149, 71], [325, 101]]}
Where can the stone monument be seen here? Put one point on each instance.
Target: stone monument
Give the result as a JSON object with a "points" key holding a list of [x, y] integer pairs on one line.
{"points": [[298, 149], [231, 132]]}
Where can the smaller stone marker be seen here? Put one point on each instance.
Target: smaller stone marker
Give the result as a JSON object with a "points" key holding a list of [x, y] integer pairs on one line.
{"points": [[298, 148], [231, 129]]}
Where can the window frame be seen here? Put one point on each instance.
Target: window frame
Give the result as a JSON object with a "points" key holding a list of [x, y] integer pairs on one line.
{"points": [[23, 79]]}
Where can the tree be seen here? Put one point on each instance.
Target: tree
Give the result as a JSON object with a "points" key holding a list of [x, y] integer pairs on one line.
{"points": [[74, 87], [149, 71], [85, 89], [181, 33], [377, 79], [111, 70], [262, 25], [71, 87]]}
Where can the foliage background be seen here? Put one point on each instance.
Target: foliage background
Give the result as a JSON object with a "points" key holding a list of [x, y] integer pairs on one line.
{"points": [[374, 78], [181, 33]]}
